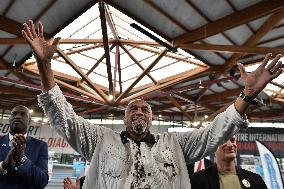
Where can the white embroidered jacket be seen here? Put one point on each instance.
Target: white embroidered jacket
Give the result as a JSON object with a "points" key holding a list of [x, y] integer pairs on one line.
{"points": [[115, 165]]}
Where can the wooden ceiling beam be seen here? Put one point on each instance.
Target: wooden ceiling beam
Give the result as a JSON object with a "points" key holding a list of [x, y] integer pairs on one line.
{"points": [[106, 46], [264, 113], [12, 26], [83, 75], [232, 49], [146, 71], [184, 112], [159, 108], [137, 63], [275, 92], [221, 96], [68, 53], [18, 91], [20, 41], [66, 85], [279, 100], [277, 84], [111, 23], [173, 80], [169, 55], [233, 20], [19, 75], [205, 105], [253, 40]]}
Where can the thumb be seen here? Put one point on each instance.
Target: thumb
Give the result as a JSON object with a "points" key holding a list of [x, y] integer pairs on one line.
{"points": [[56, 41], [78, 182], [242, 70]]}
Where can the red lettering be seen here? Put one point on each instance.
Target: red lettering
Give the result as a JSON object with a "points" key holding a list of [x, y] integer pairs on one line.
{"points": [[64, 144], [58, 142]]}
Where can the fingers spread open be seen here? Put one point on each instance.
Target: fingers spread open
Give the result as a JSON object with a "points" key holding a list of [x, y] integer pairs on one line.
{"points": [[277, 67], [266, 59], [28, 32], [32, 28], [40, 29], [25, 35], [277, 73], [242, 70], [274, 62], [56, 41]]}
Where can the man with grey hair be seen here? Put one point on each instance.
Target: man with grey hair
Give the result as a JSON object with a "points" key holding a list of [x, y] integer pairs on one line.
{"points": [[136, 158], [224, 174]]}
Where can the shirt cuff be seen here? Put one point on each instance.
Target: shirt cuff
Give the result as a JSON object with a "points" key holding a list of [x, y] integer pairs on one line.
{"points": [[45, 98], [240, 121]]}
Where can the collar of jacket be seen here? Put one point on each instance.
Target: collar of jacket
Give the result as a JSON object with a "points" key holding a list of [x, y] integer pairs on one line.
{"points": [[149, 138], [239, 172]]}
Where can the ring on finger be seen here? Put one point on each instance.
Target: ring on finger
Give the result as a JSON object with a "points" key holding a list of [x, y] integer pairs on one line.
{"points": [[270, 72]]}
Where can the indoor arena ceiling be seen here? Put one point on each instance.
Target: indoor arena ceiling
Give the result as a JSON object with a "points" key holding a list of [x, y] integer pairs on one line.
{"points": [[178, 55]]}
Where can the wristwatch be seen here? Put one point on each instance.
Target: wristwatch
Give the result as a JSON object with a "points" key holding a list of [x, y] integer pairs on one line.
{"points": [[2, 171], [248, 99]]}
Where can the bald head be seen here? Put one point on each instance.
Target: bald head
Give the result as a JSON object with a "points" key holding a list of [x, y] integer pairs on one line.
{"points": [[138, 118], [137, 101], [20, 119]]}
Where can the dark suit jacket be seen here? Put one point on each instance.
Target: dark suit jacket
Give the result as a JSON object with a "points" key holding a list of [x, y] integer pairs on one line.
{"points": [[33, 174], [209, 179]]}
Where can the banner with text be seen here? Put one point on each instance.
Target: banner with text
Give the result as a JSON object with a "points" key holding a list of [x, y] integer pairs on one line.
{"points": [[45, 133], [273, 138], [272, 174]]}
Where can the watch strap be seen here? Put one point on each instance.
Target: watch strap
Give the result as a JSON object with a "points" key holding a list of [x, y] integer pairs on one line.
{"points": [[248, 99]]}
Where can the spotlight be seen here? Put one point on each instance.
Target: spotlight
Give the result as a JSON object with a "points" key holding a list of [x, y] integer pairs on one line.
{"points": [[110, 97]]}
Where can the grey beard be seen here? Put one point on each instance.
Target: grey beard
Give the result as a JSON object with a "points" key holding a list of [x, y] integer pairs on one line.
{"points": [[139, 126]]}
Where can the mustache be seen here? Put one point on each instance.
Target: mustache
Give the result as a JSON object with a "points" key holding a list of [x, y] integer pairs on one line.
{"points": [[16, 120]]}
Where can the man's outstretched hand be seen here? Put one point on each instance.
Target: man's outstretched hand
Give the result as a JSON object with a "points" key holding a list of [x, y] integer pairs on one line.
{"points": [[43, 50], [256, 81]]}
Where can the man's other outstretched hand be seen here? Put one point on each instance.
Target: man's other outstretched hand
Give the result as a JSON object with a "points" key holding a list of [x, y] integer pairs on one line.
{"points": [[256, 81], [43, 50]]}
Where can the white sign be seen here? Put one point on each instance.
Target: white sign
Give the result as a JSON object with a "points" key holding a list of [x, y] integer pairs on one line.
{"points": [[45, 133], [272, 175]]}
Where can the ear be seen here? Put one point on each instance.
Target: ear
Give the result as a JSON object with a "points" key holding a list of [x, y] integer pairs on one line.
{"points": [[10, 119], [30, 119]]}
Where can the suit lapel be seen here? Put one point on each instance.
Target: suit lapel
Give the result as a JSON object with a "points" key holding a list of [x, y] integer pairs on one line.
{"points": [[214, 178], [29, 147], [4, 147], [243, 179]]}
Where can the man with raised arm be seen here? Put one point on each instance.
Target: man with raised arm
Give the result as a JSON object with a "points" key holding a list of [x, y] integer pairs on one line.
{"points": [[135, 158]]}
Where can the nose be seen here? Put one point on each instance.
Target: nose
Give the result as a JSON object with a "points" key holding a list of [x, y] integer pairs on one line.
{"points": [[18, 116], [139, 111], [229, 143]]}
